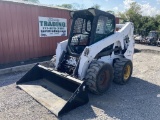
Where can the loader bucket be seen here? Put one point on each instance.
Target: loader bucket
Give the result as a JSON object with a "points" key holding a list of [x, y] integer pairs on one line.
{"points": [[56, 91]]}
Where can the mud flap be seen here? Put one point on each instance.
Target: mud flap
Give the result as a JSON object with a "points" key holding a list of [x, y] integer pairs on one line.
{"points": [[56, 91]]}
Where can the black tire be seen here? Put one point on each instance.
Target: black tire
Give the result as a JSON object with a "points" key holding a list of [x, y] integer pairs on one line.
{"points": [[99, 77], [120, 68]]}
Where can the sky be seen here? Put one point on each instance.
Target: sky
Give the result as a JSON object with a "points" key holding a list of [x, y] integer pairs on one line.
{"points": [[149, 7]]}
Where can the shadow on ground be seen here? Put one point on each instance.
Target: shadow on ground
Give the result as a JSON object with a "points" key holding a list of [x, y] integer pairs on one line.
{"points": [[138, 100], [146, 51], [10, 79], [137, 50], [29, 61]]}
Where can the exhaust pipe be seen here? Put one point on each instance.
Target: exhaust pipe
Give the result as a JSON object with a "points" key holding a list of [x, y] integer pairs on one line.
{"points": [[57, 91]]}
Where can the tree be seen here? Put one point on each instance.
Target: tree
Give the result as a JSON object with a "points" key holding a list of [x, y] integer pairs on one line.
{"points": [[96, 6], [74, 6], [34, 1], [68, 6], [142, 24], [133, 14], [110, 11], [158, 21], [147, 24]]}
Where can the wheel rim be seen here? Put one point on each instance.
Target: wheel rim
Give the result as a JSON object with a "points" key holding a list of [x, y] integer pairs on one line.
{"points": [[103, 80], [127, 72]]}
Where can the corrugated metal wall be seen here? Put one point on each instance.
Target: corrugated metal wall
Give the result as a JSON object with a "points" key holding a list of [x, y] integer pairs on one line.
{"points": [[19, 31]]}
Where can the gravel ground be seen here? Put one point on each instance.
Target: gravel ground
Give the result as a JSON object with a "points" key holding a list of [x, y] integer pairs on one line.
{"points": [[138, 100]]}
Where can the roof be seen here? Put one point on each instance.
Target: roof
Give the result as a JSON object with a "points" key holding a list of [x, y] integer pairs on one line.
{"points": [[35, 4], [90, 11]]}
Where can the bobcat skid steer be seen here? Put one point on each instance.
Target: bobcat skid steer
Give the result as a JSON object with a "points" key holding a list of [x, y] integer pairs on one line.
{"points": [[94, 55]]}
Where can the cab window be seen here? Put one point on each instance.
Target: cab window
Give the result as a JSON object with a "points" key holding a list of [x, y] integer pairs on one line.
{"points": [[105, 27]]}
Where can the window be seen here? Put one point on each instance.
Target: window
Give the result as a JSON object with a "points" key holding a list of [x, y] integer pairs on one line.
{"points": [[82, 26], [81, 31], [105, 27]]}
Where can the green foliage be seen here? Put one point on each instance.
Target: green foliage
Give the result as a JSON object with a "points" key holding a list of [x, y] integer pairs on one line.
{"points": [[73, 6], [96, 6], [142, 24], [110, 11], [158, 21], [76, 6], [34, 1], [68, 6]]}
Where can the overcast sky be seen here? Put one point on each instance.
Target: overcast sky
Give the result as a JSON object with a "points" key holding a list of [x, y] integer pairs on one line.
{"points": [[149, 7]]}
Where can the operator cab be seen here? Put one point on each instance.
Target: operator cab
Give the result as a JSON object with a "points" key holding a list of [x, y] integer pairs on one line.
{"points": [[88, 27], [81, 33]]}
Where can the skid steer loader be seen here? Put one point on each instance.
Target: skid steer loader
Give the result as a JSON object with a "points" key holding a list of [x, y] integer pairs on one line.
{"points": [[94, 55]]}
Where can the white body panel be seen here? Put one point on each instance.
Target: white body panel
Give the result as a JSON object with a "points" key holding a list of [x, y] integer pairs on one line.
{"points": [[60, 48], [118, 39]]}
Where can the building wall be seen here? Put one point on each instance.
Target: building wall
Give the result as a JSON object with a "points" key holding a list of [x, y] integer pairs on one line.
{"points": [[19, 31]]}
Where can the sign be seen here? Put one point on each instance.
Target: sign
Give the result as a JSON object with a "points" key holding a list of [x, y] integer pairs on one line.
{"points": [[49, 26]]}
